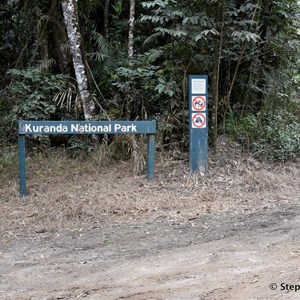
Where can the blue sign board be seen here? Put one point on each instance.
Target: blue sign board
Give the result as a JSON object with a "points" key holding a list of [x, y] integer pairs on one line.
{"points": [[84, 127], [198, 123]]}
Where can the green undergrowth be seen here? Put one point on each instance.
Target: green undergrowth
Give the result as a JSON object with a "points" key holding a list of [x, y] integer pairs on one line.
{"points": [[274, 135]]}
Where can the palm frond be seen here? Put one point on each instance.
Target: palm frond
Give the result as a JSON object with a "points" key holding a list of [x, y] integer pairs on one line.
{"points": [[46, 64], [152, 39], [103, 47], [64, 98], [153, 54]]}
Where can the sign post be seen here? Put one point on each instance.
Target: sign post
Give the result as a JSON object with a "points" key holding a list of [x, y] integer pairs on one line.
{"points": [[198, 119], [22, 164], [84, 127]]}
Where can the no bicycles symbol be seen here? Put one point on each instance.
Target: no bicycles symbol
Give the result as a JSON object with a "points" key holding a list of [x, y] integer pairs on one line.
{"points": [[199, 103], [199, 120]]}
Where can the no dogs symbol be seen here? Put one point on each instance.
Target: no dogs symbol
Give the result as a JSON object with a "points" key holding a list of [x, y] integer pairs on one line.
{"points": [[199, 120], [199, 103]]}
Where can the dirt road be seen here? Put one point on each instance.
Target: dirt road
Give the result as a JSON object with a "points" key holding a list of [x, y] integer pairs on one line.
{"points": [[234, 234], [209, 257]]}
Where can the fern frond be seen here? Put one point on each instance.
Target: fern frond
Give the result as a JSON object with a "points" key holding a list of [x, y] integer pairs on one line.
{"points": [[46, 64], [153, 54], [152, 39]]}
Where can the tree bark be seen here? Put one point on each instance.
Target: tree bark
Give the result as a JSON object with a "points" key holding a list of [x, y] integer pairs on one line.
{"points": [[130, 33], [218, 45], [70, 13]]}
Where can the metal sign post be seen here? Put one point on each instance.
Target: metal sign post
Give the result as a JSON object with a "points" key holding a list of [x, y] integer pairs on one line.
{"points": [[84, 127], [22, 164], [198, 118]]}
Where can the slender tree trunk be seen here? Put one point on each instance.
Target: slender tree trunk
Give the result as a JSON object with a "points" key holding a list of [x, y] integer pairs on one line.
{"points": [[59, 35], [106, 18], [215, 84], [130, 97], [184, 97], [227, 98], [70, 12], [131, 33], [60, 53], [44, 49]]}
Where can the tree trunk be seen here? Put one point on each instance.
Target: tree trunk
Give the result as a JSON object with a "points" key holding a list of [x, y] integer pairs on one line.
{"points": [[70, 12], [227, 97], [106, 19], [130, 34], [215, 83]]}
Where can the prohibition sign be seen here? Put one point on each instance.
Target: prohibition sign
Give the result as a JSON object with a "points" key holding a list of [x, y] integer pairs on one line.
{"points": [[198, 120], [199, 103]]}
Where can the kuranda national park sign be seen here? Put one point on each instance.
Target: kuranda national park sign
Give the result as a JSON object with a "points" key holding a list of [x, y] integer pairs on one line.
{"points": [[84, 127]]}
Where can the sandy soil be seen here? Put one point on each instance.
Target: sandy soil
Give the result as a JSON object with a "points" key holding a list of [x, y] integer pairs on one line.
{"points": [[106, 234]]}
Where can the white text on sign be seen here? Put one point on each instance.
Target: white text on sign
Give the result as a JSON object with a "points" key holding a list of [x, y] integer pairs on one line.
{"points": [[79, 128]]}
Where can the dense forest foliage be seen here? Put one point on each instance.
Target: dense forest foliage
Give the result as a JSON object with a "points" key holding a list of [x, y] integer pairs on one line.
{"points": [[136, 57]]}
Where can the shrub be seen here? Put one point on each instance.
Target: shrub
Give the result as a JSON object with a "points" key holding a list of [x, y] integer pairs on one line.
{"points": [[278, 136], [273, 135], [30, 97]]}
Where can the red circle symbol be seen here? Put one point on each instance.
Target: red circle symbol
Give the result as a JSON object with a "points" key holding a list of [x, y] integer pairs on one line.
{"points": [[198, 121], [199, 103]]}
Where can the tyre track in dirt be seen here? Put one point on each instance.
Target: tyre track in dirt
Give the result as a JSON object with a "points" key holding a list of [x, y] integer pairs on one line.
{"points": [[232, 256]]}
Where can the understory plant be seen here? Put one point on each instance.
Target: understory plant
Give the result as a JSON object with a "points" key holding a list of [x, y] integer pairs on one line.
{"points": [[274, 135]]}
